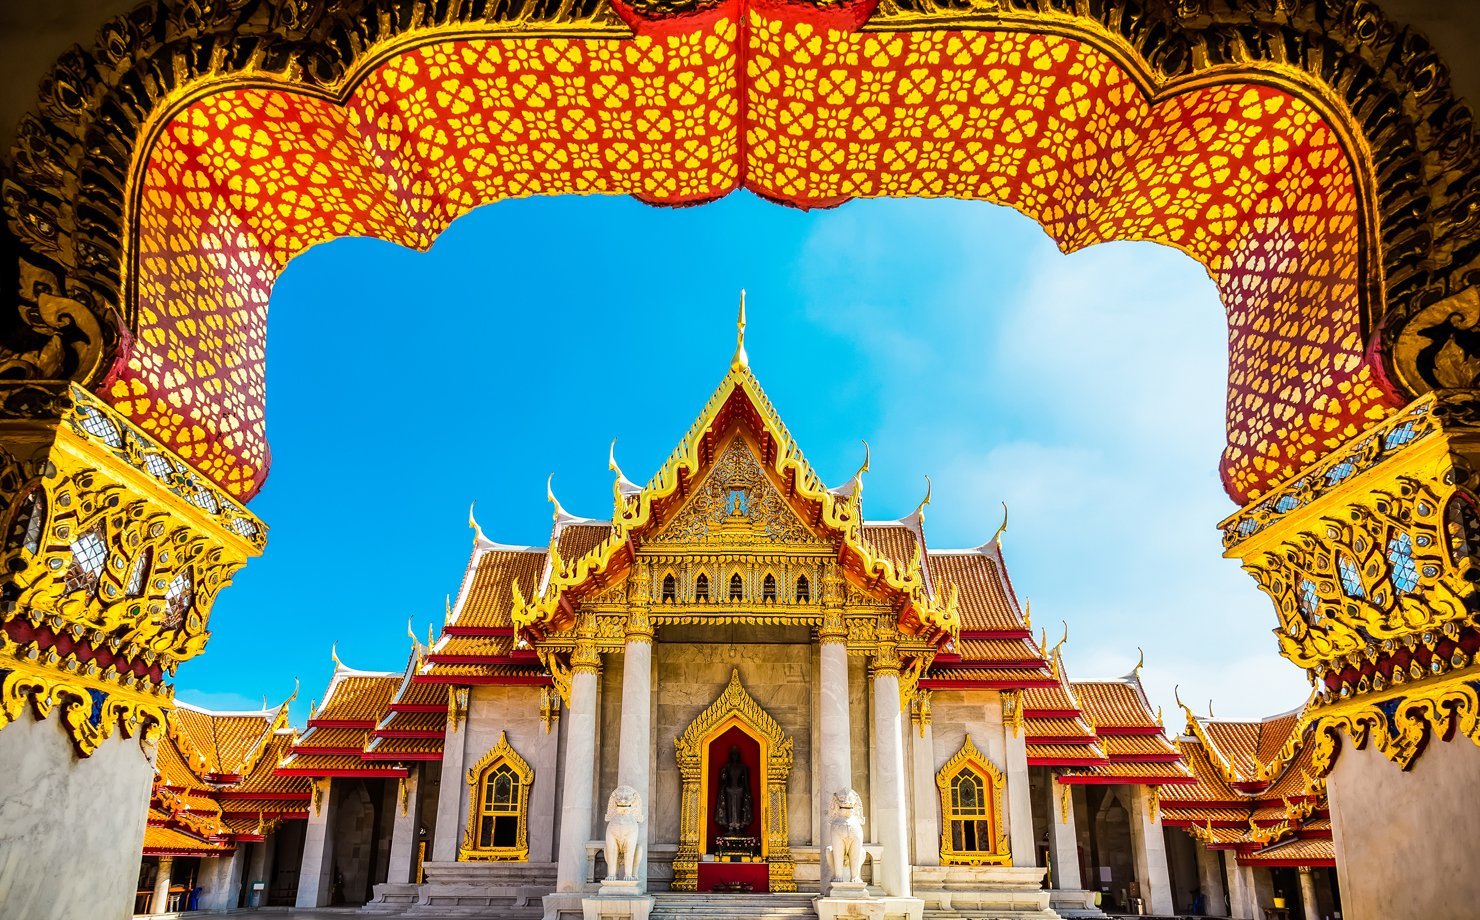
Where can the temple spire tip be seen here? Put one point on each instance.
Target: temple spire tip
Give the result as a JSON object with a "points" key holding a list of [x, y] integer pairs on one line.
{"points": [[741, 359]]}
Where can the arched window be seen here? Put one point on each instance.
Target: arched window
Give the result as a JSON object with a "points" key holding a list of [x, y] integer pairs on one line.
{"points": [[701, 588], [670, 589], [737, 587], [804, 590], [971, 807], [768, 589], [498, 794]]}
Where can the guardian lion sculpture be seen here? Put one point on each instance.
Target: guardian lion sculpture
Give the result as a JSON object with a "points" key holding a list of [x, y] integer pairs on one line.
{"points": [[624, 819], [845, 821]]}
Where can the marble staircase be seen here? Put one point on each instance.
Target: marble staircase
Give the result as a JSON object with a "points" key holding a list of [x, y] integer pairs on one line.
{"points": [[670, 905]]}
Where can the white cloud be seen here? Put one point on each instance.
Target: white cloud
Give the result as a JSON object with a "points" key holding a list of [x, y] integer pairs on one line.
{"points": [[1087, 391]]}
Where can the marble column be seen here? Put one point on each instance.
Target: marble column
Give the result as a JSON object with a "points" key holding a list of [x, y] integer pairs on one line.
{"points": [[1210, 880], [160, 904], [891, 809], [635, 741], [451, 804], [580, 767], [1240, 892], [926, 799], [221, 881], [316, 873], [1308, 894], [836, 760], [1019, 796], [1063, 841], [405, 830], [259, 868], [1148, 841]]}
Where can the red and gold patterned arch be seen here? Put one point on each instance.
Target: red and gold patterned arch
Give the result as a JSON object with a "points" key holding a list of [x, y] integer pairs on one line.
{"points": [[1248, 172]]}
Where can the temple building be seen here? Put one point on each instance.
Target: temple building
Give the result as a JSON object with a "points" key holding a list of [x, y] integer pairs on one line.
{"points": [[738, 686]]}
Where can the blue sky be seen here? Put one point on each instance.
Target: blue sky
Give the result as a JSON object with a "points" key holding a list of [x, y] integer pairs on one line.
{"points": [[1086, 391]]}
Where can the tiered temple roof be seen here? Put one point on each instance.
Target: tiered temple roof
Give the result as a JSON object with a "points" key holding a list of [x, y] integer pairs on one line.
{"points": [[214, 781], [343, 727], [1257, 792]]}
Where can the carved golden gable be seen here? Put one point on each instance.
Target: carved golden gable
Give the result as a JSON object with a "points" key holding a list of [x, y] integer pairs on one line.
{"points": [[737, 504]]}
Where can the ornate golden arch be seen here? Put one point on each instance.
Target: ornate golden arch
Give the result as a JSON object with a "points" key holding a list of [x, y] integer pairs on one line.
{"points": [[972, 759], [734, 707], [502, 752]]}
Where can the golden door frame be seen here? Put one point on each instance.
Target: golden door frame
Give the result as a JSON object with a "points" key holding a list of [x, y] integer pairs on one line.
{"points": [[734, 708]]}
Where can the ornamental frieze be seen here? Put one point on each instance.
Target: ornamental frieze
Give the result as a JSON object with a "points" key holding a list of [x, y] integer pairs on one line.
{"points": [[1369, 556], [115, 551]]}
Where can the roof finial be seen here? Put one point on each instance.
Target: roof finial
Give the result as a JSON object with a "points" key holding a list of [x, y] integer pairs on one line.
{"points": [[1001, 528], [473, 523], [411, 632], [550, 496], [867, 456], [1140, 663], [334, 653], [741, 359], [920, 508], [1028, 615], [1210, 708]]}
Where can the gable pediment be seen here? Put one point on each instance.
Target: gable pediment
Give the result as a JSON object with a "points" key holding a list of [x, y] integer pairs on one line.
{"points": [[735, 504]]}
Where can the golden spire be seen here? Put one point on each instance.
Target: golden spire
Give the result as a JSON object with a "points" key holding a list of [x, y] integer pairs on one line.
{"points": [[741, 360]]}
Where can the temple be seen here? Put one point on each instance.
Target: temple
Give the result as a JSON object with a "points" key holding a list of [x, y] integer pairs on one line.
{"points": [[736, 685]]}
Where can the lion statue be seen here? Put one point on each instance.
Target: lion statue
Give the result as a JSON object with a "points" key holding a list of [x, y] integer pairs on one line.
{"points": [[845, 822], [624, 819]]}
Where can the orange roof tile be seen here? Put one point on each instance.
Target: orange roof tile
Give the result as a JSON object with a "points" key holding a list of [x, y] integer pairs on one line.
{"points": [[1115, 703], [894, 541], [356, 696], [985, 601], [1138, 746], [1086, 752], [576, 540], [1238, 742], [413, 722], [998, 650], [1210, 786], [327, 765], [1005, 676], [1040, 727], [167, 841], [479, 646], [1306, 850], [1165, 772], [488, 597], [333, 738]]}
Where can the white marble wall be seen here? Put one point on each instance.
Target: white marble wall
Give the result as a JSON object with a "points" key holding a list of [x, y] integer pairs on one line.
{"points": [[55, 807], [957, 713], [689, 678], [514, 710], [1436, 827]]}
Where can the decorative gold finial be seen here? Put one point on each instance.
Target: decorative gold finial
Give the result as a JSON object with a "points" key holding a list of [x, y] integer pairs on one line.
{"points": [[741, 359], [1140, 663], [411, 632], [920, 508], [1001, 528], [334, 653], [550, 496], [473, 522], [1028, 615], [867, 455]]}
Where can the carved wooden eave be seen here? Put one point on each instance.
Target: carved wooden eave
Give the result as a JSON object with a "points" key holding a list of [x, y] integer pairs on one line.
{"points": [[738, 404]]}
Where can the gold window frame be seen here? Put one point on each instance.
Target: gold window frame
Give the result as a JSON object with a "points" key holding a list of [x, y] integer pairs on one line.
{"points": [[500, 754], [970, 759]]}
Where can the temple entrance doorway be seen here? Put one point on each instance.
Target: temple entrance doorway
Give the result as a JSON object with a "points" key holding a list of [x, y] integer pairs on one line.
{"points": [[734, 760]]}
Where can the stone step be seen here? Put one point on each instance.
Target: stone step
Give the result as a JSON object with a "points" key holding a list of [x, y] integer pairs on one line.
{"points": [[674, 906]]}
